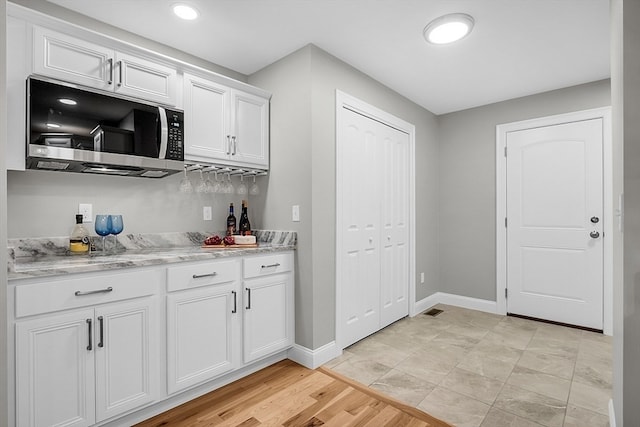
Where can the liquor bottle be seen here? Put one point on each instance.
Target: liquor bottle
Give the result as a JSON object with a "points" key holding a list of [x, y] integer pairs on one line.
{"points": [[231, 222], [245, 226], [79, 238]]}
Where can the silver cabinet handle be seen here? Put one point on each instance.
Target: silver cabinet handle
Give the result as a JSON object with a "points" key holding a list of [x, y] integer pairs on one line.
{"points": [[594, 234], [248, 307], [228, 144], [235, 302], [110, 61], [199, 276], [101, 322], [119, 73], [277, 264], [90, 346], [235, 144], [99, 291]]}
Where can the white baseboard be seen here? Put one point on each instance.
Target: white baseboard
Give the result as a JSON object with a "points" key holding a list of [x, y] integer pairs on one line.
{"points": [[457, 301], [425, 304], [612, 414], [313, 358]]}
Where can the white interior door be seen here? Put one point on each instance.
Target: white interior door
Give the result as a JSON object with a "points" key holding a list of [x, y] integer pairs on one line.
{"points": [[373, 225], [360, 232], [394, 245], [555, 223]]}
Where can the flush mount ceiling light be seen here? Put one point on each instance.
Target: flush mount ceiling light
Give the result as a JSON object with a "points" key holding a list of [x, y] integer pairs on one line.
{"points": [[448, 28], [185, 12], [67, 101]]}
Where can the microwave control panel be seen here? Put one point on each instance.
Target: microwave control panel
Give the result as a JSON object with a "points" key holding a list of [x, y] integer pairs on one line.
{"points": [[175, 144]]}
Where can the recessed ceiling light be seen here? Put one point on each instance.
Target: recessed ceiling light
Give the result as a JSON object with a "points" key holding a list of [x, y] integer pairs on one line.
{"points": [[448, 28], [67, 101], [185, 12]]}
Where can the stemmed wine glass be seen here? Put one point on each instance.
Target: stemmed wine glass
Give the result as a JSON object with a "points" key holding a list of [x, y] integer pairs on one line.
{"points": [[202, 185], [228, 186], [103, 228], [116, 228], [242, 188], [185, 183], [254, 190]]}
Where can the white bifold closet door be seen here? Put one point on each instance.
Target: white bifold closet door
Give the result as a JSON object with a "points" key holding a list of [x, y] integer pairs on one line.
{"points": [[373, 221]]}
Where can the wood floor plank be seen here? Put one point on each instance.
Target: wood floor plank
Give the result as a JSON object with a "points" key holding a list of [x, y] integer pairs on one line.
{"points": [[289, 395], [323, 397]]}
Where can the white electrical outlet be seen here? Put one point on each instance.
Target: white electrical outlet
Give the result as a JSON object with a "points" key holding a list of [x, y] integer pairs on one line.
{"points": [[295, 213], [85, 209], [422, 277], [206, 213]]}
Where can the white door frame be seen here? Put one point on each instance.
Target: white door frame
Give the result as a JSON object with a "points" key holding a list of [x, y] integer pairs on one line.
{"points": [[344, 100], [501, 202]]}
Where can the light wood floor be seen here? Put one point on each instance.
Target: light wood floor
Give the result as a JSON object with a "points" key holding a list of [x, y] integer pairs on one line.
{"points": [[287, 394]]}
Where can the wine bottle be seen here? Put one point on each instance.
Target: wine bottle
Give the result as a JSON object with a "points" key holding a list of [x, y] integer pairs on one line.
{"points": [[245, 226], [231, 222]]}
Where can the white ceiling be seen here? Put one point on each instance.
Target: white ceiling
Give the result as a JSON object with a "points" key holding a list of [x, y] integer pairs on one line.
{"points": [[517, 48]]}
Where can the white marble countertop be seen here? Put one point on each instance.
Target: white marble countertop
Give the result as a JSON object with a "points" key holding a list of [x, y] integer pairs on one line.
{"points": [[32, 258]]}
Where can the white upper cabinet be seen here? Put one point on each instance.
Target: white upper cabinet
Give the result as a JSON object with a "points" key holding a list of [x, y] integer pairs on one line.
{"points": [[225, 125], [72, 59]]}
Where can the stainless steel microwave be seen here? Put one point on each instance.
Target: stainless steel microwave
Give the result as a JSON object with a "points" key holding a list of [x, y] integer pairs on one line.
{"points": [[76, 129]]}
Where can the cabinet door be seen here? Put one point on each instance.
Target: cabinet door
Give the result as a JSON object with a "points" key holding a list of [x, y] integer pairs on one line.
{"points": [[55, 370], [251, 134], [127, 356], [203, 337], [206, 115], [268, 315], [145, 79], [67, 58]]}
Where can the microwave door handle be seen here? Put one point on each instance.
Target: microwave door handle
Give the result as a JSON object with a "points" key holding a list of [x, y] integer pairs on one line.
{"points": [[164, 133]]}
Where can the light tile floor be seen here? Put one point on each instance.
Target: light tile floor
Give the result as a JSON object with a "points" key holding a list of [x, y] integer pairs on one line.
{"points": [[472, 369]]}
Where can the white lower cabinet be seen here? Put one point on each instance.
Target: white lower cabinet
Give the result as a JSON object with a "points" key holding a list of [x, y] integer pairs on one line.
{"points": [[203, 323], [81, 366], [55, 371], [85, 366], [88, 349], [268, 324]]}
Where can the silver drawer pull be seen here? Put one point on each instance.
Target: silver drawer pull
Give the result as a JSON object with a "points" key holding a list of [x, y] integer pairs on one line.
{"points": [[277, 264], [99, 291], [198, 276]]}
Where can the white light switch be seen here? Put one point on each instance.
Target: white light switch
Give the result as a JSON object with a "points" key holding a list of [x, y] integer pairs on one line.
{"points": [[295, 213], [85, 209], [422, 277], [206, 213]]}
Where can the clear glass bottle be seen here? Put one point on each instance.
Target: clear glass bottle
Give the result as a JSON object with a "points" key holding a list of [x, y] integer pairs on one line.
{"points": [[79, 239]]}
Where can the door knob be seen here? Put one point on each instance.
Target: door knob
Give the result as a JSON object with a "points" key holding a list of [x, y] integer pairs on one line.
{"points": [[594, 234], [595, 219]]}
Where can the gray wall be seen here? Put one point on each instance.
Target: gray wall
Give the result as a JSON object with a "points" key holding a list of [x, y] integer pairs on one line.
{"points": [[467, 192], [303, 86], [617, 91], [4, 412], [626, 61]]}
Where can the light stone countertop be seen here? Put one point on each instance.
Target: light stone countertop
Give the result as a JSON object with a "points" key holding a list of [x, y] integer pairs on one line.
{"points": [[41, 257]]}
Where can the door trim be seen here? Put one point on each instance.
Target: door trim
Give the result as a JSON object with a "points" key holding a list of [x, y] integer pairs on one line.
{"points": [[344, 100], [603, 113]]}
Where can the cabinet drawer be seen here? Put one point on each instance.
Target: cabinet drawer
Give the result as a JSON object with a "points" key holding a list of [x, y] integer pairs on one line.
{"points": [[202, 274], [267, 264], [55, 295]]}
